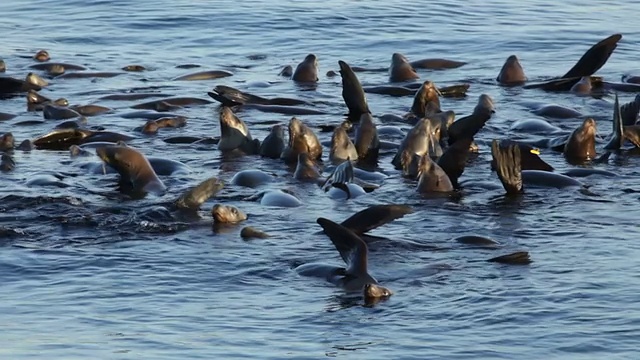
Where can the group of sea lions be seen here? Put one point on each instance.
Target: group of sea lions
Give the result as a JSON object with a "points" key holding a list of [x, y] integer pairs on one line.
{"points": [[434, 152]]}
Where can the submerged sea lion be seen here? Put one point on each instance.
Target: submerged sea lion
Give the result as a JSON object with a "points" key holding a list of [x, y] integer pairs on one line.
{"points": [[42, 56], [273, 145], [7, 141], [249, 232], [90, 110], [251, 178], [367, 142], [133, 68], [287, 71], [468, 126], [352, 92], [224, 214], [353, 251], [306, 168], [342, 148], [204, 75], [301, 139], [229, 96], [431, 177], [3, 66], [9, 85], [50, 111], [134, 168], [307, 70], [454, 160], [511, 72], [176, 101], [7, 163], [88, 75], [49, 66], [400, 69], [235, 135], [581, 146]]}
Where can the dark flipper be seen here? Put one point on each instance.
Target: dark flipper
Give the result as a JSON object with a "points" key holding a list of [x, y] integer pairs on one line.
{"points": [[562, 84], [454, 160], [352, 249], [375, 216], [594, 58], [223, 100], [508, 166], [196, 196], [516, 258], [454, 91], [352, 92], [467, 127], [629, 112], [528, 155], [616, 136]]}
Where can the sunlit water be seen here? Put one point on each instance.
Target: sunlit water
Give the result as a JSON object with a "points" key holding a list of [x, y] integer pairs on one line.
{"points": [[85, 274]]}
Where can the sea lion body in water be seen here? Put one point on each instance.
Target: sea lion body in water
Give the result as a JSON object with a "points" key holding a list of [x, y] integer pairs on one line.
{"points": [[307, 70], [225, 214], [7, 163], [581, 146], [352, 92], [235, 134], [511, 73], [419, 140], [400, 69], [353, 251], [204, 75], [278, 198], [436, 64], [582, 87], [51, 111], [251, 178], [306, 168], [342, 148], [301, 139], [431, 177], [229, 96], [367, 142], [7, 141], [273, 145], [134, 168], [9, 85], [161, 105]]}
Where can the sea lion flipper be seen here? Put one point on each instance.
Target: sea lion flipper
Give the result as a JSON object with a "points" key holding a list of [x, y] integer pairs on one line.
{"points": [[223, 100], [594, 58], [375, 216], [196, 196], [629, 111], [516, 258], [351, 247], [508, 166], [616, 137]]}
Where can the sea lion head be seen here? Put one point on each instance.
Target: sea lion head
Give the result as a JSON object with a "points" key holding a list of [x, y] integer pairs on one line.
{"points": [[277, 131], [426, 101], [307, 70], [3, 66], [511, 72], [36, 80], [302, 139], [224, 214], [485, 105], [7, 141], [55, 70], [7, 163], [234, 133], [33, 97], [582, 142], [306, 168], [373, 293], [150, 127], [583, 86], [400, 69], [42, 56]]}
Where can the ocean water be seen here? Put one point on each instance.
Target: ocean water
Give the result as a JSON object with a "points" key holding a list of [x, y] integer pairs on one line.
{"points": [[86, 273]]}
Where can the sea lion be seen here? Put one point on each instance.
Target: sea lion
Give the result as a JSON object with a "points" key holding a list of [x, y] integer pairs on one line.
{"points": [[477, 240], [279, 198], [587, 65], [7, 141], [367, 144], [454, 160], [7, 163], [152, 126], [10, 86], [235, 135], [51, 65], [342, 148], [630, 79], [55, 70], [204, 75], [133, 68], [224, 214], [133, 96], [556, 112], [582, 87], [373, 294], [301, 139], [431, 177], [229, 96], [419, 140], [400, 69], [307, 70], [50, 111], [176, 101], [352, 92], [273, 145], [629, 111], [249, 232], [41, 56], [134, 168], [194, 197], [89, 75], [3, 66], [287, 71], [251, 178], [529, 156], [617, 135], [632, 133], [353, 251], [517, 258], [436, 64], [90, 110], [426, 101], [534, 126], [511, 73], [373, 217], [468, 126], [581, 146], [6, 116], [306, 168]]}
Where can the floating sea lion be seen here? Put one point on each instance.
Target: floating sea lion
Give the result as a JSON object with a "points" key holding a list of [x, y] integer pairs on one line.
{"points": [[204, 75], [629, 111], [306, 168], [6, 116], [352, 92], [367, 144], [50, 111], [342, 148], [87, 75], [55, 70], [511, 73], [273, 145], [581, 146], [133, 96], [7, 163], [176, 101], [224, 214], [436, 64], [134, 68], [194, 197], [287, 71], [251, 178], [301, 139], [431, 177], [134, 168], [41, 55], [631, 79], [3, 66], [249, 232], [10, 86], [90, 110], [235, 135], [400, 69], [529, 156], [534, 126], [587, 65], [229, 96], [50, 65], [307, 70], [477, 240], [557, 112], [62, 139], [468, 126], [373, 217], [353, 251], [277, 198], [373, 294], [7, 141], [152, 126], [517, 258]]}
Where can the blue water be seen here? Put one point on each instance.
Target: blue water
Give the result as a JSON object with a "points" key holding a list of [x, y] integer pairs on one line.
{"points": [[81, 281]]}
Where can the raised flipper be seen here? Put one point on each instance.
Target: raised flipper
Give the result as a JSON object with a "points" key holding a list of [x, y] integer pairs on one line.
{"points": [[508, 166], [342, 174], [594, 58], [375, 216], [617, 138], [629, 112], [196, 196], [454, 160], [467, 127], [228, 94], [530, 159], [352, 92], [352, 249]]}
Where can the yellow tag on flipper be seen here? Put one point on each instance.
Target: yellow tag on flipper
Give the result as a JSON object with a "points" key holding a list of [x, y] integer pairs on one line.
{"points": [[535, 151]]}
